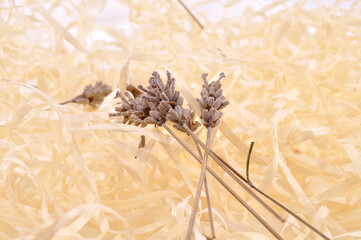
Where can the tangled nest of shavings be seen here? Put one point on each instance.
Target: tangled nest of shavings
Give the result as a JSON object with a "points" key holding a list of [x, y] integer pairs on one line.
{"points": [[292, 81]]}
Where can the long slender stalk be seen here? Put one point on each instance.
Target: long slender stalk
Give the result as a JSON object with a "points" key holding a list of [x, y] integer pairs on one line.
{"points": [[248, 161], [211, 223], [230, 173], [210, 214], [191, 14], [228, 168], [66, 102], [202, 179], [225, 185], [225, 164]]}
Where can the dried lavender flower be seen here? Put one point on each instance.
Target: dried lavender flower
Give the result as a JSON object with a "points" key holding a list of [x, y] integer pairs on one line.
{"points": [[163, 97], [159, 103], [212, 101], [181, 115], [134, 111], [92, 95], [167, 103]]}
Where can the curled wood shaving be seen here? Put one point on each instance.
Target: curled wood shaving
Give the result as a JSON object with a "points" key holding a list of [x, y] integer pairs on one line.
{"points": [[293, 82]]}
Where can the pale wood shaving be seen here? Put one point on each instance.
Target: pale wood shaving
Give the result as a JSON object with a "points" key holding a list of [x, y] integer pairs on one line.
{"points": [[293, 83]]}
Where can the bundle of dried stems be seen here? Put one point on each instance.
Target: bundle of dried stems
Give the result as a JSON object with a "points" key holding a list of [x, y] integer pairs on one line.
{"points": [[161, 103]]}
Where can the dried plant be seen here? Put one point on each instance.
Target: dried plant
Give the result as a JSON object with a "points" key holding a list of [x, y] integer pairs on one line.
{"points": [[161, 102], [92, 95], [158, 103], [164, 97], [180, 115], [167, 103], [134, 111], [212, 101]]}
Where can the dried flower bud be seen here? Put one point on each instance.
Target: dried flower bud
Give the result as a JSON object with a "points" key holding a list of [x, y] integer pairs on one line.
{"points": [[212, 101], [134, 111], [181, 115], [92, 95], [164, 96], [160, 102]]}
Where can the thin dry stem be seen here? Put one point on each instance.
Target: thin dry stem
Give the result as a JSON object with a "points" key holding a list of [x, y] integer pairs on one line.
{"points": [[202, 179], [211, 222], [229, 172], [66, 102], [229, 189], [273, 200], [142, 141], [248, 161], [210, 214], [235, 175], [191, 14]]}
